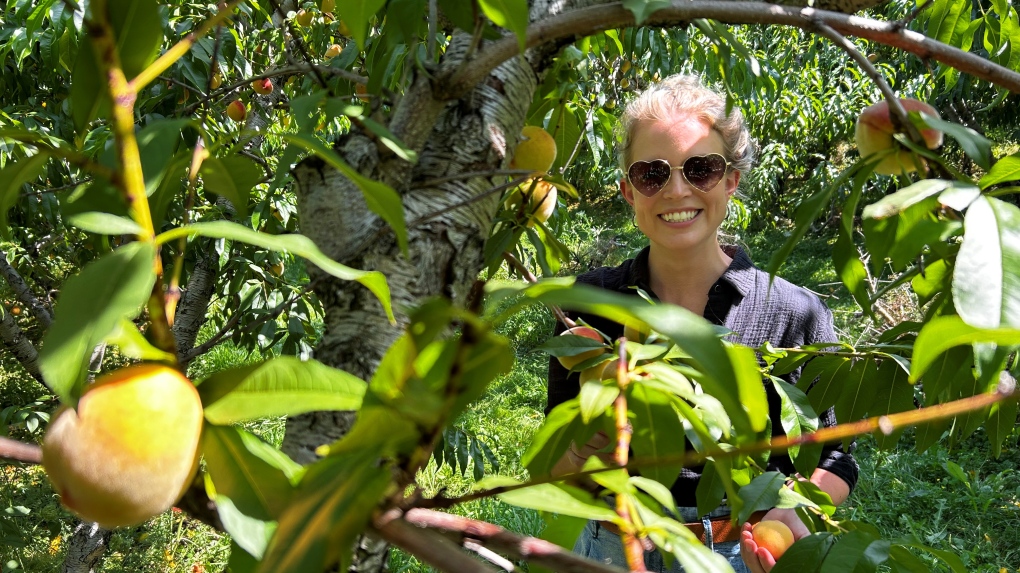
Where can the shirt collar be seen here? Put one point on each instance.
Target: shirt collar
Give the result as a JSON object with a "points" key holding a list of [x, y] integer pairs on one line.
{"points": [[740, 274]]}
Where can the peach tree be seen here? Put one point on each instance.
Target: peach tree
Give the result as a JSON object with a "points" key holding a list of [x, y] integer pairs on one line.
{"points": [[165, 164]]}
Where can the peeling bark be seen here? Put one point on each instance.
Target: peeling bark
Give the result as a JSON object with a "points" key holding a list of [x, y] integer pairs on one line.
{"points": [[85, 548], [194, 305], [20, 346], [24, 292]]}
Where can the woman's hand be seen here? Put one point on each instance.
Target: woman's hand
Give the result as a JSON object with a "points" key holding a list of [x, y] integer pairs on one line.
{"points": [[573, 460], [759, 559]]}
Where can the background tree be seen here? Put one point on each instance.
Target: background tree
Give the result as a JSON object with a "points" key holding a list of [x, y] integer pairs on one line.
{"points": [[398, 140]]}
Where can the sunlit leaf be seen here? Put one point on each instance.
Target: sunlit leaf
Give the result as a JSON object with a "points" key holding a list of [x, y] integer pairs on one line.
{"points": [[986, 281]]}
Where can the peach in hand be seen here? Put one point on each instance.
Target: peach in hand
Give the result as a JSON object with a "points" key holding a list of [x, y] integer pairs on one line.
{"points": [[874, 133], [773, 536], [130, 449]]}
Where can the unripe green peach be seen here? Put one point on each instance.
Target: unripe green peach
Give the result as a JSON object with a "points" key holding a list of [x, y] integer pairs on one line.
{"points": [[130, 449], [536, 152]]}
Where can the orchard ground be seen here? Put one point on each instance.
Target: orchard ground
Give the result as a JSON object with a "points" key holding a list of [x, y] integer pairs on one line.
{"points": [[956, 499]]}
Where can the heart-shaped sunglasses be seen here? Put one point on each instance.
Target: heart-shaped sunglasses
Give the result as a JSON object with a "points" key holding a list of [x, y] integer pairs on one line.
{"points": [[703, 172]]}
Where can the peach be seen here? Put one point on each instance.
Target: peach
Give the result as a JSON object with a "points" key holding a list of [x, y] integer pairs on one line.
{"points": [[130, 449], [536, 152], [772, 535], [874, 133], [263, 86], [569, 362], [236, 110]]}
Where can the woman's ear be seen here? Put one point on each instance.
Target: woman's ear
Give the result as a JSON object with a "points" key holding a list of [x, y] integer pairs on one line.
{"points": [[626, 191], [732, 182]]}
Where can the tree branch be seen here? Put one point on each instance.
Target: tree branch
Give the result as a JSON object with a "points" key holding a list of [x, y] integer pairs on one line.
{"points": [[24, 292], [516, 546], [19, 451], [594, 19], [427, 545]]}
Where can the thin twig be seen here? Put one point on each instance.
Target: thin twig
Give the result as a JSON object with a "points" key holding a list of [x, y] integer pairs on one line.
{"points": [[904, 22], [20, 451], [299, 42], [531, 278]]}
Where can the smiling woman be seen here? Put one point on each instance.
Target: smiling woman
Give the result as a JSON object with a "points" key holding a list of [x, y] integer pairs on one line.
{"points": [[681, 126]]}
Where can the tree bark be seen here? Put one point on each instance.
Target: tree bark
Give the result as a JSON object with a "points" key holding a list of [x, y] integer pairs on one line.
{"points": [[86, 547], [19, 345], [194, 305], [24, 292]]}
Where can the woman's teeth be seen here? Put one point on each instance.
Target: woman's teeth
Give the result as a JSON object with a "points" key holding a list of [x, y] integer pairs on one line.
{"points": [[679, 216]]}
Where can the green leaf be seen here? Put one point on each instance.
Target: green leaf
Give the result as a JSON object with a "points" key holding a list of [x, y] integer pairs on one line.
{"points": [[1001, 420], [552, 439], [380, 198], [559, 498], [845, 257], [858, 395], [158, 146], [855, 551], [509, 14], [1005, 169], [595, 398], [126, 337], [334, 503], [251, 535], [233, 178], [806, 555], [254, 475], [89, 94], [986, 281], [796, 414], [642, 9], [825, 392], [657, 432], [281, 386], [761, 493], [12, 177], [296, 244], [139, 32], [895, 394], [357, 14], [711, 490], [895, 203], [945, 332], [947, 557], [105, 224], [91, 304], [975, 145]]}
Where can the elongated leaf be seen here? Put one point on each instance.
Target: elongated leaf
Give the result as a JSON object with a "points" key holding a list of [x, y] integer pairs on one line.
{"points": [[895, 394], [975, 145], [251, 535], [132, 343], [658, 432], [138, 30], [278, 387], [89, 95], [231, 177], [12, 177], [806, 555], [1005, 169], [796, 414], [711, 490], [856, 551], [105, 224], [826, 391], [295, 244], [561, 426], [761, 493], [845, 257], [642, 9], [595, 398], [254, 475], [509, 14], [945, 332], [1001, 420], [357, 14], [90, 306], [986, 281], [859, 391], [902, 199], [380, 198], [335, 501], [559, 498]]}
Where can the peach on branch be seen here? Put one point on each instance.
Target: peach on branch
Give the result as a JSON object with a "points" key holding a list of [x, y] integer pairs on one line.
{"points": [[569, 362], [541, 201], [263, 86], [130, 449], [875, 130], [333, 51], [772, 535], [536, 152], [304, 17], [236, 110]]}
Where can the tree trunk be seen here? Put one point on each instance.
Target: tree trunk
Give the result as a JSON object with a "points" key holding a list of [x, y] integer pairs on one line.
{"points": [[194, 305], [86, 547], [19, 345]]}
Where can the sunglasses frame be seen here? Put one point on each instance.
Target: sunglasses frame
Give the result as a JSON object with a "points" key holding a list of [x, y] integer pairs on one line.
{"points": [[679, 168]]}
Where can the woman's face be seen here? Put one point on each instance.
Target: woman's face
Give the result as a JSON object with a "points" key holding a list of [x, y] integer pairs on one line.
{"points": [[679, 217]]}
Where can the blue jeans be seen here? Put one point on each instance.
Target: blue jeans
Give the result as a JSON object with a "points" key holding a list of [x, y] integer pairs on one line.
{"points": [[600, 544]]}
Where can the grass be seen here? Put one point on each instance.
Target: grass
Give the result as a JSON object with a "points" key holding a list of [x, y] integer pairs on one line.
{"points": [[900, 491]]}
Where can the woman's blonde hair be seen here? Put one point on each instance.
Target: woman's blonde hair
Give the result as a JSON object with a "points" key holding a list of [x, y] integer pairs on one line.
{"points": [[684, 93]]}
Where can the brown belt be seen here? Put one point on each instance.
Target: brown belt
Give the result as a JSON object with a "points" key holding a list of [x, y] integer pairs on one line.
{"points": [[722, 528]]}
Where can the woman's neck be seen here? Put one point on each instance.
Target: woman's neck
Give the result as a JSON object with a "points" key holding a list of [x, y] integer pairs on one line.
{"points": [[685, 278]]}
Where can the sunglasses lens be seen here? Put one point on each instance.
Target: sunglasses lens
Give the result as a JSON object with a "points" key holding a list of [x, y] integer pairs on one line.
{"points": [[648, 177], [705, 172]]}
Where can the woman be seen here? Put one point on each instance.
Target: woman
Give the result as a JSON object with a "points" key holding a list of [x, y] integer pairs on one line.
{"points": [[682, 158]]}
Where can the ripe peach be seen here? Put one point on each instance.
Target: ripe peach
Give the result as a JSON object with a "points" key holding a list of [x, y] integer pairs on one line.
{"points": [[361, 90], [601, 371], [263, 86], [304, 17], [536, 152], [130, 449], [333, 51], [569, 362], [216, 81], [327, 5], [774, 536], [874, 133], [542, 202], [237, 110]]}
